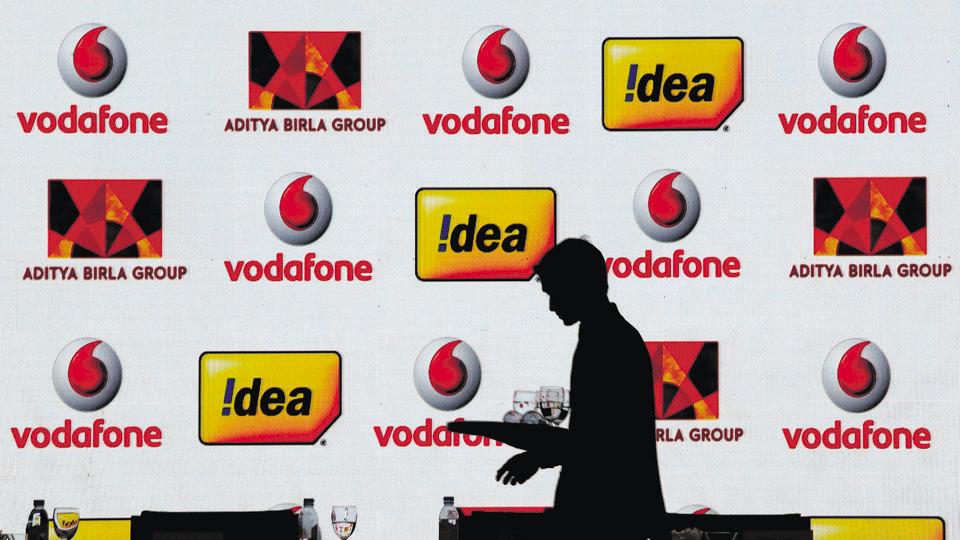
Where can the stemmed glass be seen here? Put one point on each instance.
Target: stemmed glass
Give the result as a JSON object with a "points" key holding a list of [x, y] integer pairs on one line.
{"points": [[344, 519], [524, 401], [65, 522], [554, 403]]}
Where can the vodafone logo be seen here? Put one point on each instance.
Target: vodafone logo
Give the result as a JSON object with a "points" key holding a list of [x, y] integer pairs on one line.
{"points": [[447, 374], [852, 60], [92, 60], [496, 61], [298, 208], [856, 375], [666, 205], [87, 374]]}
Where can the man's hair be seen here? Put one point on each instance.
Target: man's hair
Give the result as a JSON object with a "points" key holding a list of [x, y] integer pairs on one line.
{"points": [[574, 262]]}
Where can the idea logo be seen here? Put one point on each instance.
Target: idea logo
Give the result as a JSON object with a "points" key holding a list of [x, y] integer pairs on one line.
{"points": [[92, 60], [852, 60], [447, 374], [671, 83], [268, 397], [483, 233]]}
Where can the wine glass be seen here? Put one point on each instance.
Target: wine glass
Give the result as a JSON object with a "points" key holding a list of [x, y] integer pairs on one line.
{"points": [[554, 403], [66, 521], [344, 519], [524, 401]]}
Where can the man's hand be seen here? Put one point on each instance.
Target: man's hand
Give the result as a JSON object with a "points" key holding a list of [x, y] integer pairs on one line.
{"points": [[518, 469]]}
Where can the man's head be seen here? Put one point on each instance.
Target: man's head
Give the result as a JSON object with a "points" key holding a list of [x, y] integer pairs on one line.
{"points": [[574, 275]]}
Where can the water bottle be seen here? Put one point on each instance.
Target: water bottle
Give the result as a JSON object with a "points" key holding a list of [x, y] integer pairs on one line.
{"points": [[309, 521], [449, 520], [38, 523]]}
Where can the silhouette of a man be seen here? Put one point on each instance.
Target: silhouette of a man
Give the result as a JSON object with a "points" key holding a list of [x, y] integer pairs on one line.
{"points": [[609, 481]]}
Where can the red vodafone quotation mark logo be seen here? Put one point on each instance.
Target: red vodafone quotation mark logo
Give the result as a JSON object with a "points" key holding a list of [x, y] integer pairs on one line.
{"points": [[856, 375], [852, 60], [666, 205], [92, 60], [298, 208], [496, 61], [87, 374], [447, 374]]}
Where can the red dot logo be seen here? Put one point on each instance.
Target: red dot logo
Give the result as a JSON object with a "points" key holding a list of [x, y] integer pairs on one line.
{"points": [[496, 61], [447, 374], [87, 374], [298, 208], [92, 60], [856, 375], [666, 205], [852, 60]]}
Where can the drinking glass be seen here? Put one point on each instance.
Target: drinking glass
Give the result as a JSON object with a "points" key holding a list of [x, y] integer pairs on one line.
{"points": [[553, 403], [65, 522], [344, 519]]}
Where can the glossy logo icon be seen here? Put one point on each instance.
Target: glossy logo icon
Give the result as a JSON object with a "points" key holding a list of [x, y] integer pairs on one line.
{"points": [[686, 379], [671, 83], [268, 397], [870, 216], [87, 374], [298, 208], [852, 60], [304, 70], [483, 233], [94, 218], [92, 60], [856, 375], [698, 510], [447, 374], [666, 205], [496, 61]]}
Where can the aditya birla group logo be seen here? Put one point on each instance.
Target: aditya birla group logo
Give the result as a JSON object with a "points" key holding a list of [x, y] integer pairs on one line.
{"points": [[304, 70], [92, 60], [686, 386], [852, 60], [855, 377], [447, 373], [105, 220], [298, 208], [666, 205], [87, 374], [496, 61], [873, 216]]}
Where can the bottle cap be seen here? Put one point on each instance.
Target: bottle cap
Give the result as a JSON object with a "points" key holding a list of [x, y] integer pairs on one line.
{"points": [[308, 502], [448, 500], [38, 503]]}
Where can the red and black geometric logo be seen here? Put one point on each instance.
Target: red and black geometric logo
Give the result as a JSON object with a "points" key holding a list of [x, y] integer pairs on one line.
{"points": [[870, 216], [686, 383], [105, 218], [304, 70]]}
